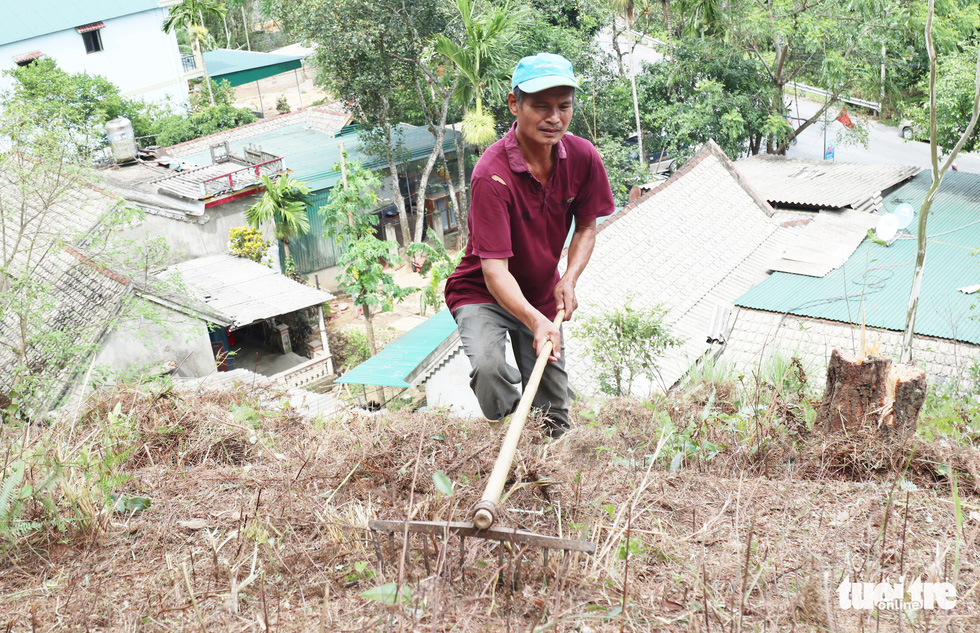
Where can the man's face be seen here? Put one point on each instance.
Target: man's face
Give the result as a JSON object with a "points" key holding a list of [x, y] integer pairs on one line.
{"points": [[543, 117]]}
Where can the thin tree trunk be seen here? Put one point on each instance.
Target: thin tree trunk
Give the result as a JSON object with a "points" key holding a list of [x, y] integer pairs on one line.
{"points": [[462, 218], [369, 326], [615, 45], [224, 19], [207, 77], [440, 134], [938, 172], [636, 112], [248, 44]]}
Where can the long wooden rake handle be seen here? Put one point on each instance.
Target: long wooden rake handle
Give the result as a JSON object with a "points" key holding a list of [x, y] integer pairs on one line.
{"points": [[485, 512]]}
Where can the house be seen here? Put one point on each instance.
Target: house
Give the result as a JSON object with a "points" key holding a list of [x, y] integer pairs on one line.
{"points": [[807, 316], [311, 148], [230, 312], [193, 208], [121, 40]]}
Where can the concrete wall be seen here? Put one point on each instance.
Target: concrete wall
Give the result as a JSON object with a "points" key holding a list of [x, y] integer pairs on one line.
{"points": [[449, 384], [136, 55], [759, 336], [138, 343], [190, 239]]}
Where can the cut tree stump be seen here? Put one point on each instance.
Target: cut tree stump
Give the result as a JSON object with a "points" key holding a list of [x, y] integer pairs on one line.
{"points": [[870, 395]]}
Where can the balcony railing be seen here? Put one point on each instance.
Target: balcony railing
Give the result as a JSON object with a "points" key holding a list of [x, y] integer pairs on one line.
{"points": [[308, 372], [188, 62], [241, 178]]}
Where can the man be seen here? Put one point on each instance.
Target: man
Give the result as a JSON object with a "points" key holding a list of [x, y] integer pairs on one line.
{"points": [[525, 191]]}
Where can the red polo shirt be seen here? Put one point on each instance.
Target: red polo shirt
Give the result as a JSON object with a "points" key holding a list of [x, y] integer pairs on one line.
{"points": [[512, 216]]}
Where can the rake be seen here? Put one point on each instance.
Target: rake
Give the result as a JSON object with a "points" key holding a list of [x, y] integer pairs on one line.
{"points": [[486, 510]]}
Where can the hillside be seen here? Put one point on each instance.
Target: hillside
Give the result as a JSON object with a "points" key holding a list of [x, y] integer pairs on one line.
{"points": [[232, 512]]}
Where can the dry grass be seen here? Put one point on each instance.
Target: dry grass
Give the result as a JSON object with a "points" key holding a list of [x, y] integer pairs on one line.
{"points": [[272, 535]]}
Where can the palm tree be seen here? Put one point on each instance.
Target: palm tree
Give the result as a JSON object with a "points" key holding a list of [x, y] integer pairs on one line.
{"points": [[189, 14], [483, 58], [283, 204]]}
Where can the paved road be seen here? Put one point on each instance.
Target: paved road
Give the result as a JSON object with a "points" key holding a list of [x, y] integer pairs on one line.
{"points": [[885, 144]]}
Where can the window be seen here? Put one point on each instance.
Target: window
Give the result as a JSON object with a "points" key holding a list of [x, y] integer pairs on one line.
{"points": [[93, 41]]}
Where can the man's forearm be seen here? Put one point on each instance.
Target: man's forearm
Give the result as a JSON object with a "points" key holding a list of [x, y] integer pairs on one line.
{"points": [[506, 291]]}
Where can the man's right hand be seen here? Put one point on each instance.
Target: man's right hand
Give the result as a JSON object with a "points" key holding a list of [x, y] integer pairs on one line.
{"points": [[544, 331]]}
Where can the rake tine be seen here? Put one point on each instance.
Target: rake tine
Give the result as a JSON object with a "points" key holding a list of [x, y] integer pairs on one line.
{"points": [[500, 563], [425, 555], [517, 571], [462, 557], [391, 545], [377, 550], [546, 550]]}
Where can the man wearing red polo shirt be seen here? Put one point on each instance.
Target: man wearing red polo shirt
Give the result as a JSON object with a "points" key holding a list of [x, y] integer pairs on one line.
{"points": [[526, 190]]}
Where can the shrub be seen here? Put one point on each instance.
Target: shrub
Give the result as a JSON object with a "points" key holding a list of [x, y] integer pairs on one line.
{"points": [[244, 241]]}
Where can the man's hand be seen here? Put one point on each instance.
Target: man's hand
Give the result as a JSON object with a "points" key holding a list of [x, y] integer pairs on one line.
{"points": [[565, 297], [544, 331]]}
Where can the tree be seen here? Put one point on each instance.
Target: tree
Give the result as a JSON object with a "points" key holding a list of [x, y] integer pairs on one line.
{"points": [[626, 344], [349, 220], [79, 104], [630, 11], [939, 170], [284, 204], [482, 52], [189, 14], [438, 264], [623, 169]]}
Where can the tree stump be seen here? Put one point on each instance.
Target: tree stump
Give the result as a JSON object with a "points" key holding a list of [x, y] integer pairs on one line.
{"points": [[870, 395]]}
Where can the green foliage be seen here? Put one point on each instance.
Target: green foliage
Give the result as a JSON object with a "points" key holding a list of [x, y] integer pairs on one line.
{"points": [[622, 167], [728, 102], [78, 103], [247, 242], [178, 128], [349, 349], [438, 264], [348, 215], [955, 86], [625, 344], [223, 91], [282, 105], [283, 203], [365, 278]]}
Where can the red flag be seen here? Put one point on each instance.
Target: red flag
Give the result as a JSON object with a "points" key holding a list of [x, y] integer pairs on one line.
{"points": [[844, 119]]}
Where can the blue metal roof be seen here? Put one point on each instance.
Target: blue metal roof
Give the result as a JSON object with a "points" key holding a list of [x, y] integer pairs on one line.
{"points": [[313, 155], [883, 274], [394, 365], [242, 67], [24, 20]]}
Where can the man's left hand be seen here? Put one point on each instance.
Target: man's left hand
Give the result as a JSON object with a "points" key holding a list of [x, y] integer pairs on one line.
{"points": [[565, 297]]}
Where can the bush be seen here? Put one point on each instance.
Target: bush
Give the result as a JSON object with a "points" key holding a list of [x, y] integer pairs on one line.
{"points": [[626, 344], [282, 105], [349, 348], [244, 241], [177, 128]]}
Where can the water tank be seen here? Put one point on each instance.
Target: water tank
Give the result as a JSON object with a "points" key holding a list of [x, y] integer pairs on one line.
{"points": [[121, 139]]}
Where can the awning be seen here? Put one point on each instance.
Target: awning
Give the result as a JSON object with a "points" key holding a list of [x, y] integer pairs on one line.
{"points": [[244, 291], [93, 26], [242, 67], [26, 57]]}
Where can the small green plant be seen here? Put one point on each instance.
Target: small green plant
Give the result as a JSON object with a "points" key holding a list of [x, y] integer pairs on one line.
{"points": [[349, 349], [626, 344], [438, 264], [282, 105]]}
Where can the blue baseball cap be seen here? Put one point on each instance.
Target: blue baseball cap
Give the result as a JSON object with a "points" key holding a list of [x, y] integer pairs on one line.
{"points": [[542, 71]]}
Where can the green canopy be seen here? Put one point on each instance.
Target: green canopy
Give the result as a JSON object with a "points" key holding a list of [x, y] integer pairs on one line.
{"points": [[242, 67]]}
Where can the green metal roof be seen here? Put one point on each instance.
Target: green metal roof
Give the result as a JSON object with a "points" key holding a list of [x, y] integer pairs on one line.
{"points": [[242, 67], [24, 20], [313, 155], [883, 274], [400, 359]]}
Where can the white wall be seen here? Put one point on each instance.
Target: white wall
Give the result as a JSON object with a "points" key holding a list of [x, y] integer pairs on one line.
{"points": [[190, 240], [136, 55], [759, 336], [139, 343]]}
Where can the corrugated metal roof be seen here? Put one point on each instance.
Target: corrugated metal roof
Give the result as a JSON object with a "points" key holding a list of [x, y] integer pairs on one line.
{"points": [[826, 242], [409, 354], [883, 275], [245, 291], [24, 20], [312, 155], [242, 67], [821, 184]]}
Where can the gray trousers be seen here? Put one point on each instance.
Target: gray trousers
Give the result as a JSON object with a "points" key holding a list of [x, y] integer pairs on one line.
{"points": [[483, 329]]}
